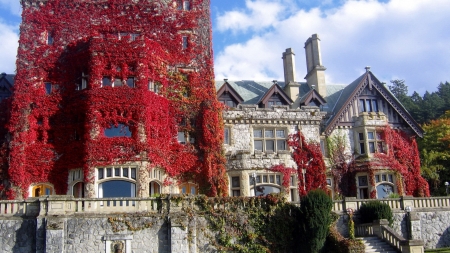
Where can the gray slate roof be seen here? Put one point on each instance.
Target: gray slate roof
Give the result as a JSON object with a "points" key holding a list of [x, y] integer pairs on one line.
{"points": [[7, 77]]}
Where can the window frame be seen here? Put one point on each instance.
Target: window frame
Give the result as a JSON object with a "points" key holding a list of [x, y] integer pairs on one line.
{"points": [[264, 139]]}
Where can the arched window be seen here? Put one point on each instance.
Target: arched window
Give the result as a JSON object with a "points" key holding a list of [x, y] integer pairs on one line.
{"points": [[385, 185], [116, 188], [155, 188], [78, 190], [42, 189], [384, 190], [188, 188]]}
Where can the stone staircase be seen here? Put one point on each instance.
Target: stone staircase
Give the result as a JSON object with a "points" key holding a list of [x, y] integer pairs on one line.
{"points": [[375, 244]]}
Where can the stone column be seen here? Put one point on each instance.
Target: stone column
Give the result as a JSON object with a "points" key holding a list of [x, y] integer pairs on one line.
{"points": [[143, 184], [245, 184], [179, 242], [376, 225], [54, 236], [416, 230]]}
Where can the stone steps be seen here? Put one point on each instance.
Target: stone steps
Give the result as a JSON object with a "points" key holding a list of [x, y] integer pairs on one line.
{"points": [[375, 244]]}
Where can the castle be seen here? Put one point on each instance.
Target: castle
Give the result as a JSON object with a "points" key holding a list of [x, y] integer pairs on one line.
{"points": [[117, 99]]}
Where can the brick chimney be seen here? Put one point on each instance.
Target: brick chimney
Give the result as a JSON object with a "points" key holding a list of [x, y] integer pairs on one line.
{"points": [[291, 88], [315, 76]]}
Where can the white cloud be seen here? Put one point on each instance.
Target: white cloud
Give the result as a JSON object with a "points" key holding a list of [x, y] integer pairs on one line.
{"points": [[398, 39], [8, 46], [13, 6], [259, 14]]}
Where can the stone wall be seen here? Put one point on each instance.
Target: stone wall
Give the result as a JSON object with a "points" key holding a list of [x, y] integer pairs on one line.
{"points": [[18, 235]]}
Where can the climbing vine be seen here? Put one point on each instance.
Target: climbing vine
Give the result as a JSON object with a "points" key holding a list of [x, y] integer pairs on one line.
{"points": [[308, 156], [61, 107], [403, 157]]}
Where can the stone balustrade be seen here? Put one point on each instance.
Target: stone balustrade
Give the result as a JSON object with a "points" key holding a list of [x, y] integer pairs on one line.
{"points": [[396, 204]]}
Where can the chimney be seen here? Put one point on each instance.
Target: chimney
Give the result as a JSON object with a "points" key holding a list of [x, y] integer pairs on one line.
{"points": [[315, 76], [289, 65], [291, 88]]}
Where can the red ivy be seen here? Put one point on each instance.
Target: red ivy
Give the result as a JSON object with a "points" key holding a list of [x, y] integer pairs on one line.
{"points": [[403, 157], [308, 156], [53, 133]]}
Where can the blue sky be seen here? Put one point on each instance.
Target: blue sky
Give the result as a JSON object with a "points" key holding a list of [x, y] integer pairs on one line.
{"points": [[399, 39]]}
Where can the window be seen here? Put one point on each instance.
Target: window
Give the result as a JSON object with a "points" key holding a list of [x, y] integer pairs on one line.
{"points": [[81, 83], [265, 184], [49, 39], [186, 5], [226, 136], [293, 188], [48, 88], [130, 82], [181, 138], [107, 173], [78, 190], [373, 140], [269, 139], [363, 187], [121, 130], [42, 189], [368, 105], [116, 188], [384, 184], [235, 186], [153, 87], [155, 188], [188, 188], [184, 42]]}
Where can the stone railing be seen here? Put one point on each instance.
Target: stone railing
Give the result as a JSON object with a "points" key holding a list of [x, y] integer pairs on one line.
{"points": [[383, 231], [364, 230], [396, 204]]}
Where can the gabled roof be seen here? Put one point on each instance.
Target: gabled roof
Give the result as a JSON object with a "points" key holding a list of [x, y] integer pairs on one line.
{"points": [[226, 87], [8, 78], [6, 82], [275, 89], [312, 95], [354, 90]]}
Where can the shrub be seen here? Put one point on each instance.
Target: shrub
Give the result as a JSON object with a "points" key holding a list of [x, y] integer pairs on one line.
{"points": [[336, 243], [375, 210], [315, 219]]}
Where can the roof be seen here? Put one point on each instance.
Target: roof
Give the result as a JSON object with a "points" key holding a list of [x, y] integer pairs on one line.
{"points": [[344, 98], [251, 91], [7, 77]]}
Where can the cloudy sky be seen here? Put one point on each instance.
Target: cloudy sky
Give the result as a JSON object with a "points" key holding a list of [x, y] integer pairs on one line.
{"points": [[399, 39]]}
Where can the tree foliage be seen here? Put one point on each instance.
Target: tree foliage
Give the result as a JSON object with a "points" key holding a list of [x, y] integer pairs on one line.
{"points": [[435, 154], [315, 215]]}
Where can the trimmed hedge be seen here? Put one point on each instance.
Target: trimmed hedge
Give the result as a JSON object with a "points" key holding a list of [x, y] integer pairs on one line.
{"points": [[375, 210]]}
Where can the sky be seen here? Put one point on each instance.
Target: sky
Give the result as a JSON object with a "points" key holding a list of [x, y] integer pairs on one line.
{"points": [[398, 39]]}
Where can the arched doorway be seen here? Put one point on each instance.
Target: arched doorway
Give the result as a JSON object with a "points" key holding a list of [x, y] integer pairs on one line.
{"points": [[42, 189]]}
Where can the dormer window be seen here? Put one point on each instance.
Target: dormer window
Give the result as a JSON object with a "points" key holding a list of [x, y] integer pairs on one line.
{"points": [[368, 105]]}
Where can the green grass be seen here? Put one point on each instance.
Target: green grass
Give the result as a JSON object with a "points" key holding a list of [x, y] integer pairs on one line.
{"points": [[443, 250]]}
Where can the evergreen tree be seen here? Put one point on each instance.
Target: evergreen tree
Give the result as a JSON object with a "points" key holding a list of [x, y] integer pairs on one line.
{"points": [[315, 219]]}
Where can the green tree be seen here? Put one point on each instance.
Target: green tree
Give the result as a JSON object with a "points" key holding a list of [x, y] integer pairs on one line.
{"points": [[434, 150], [398, 88], [315, 219]]}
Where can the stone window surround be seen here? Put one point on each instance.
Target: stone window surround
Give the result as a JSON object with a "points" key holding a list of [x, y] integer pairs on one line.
{"points": [[113, 177], [358, 187], [366, 141], [263, 128], [227, 141], [390, 180]]}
